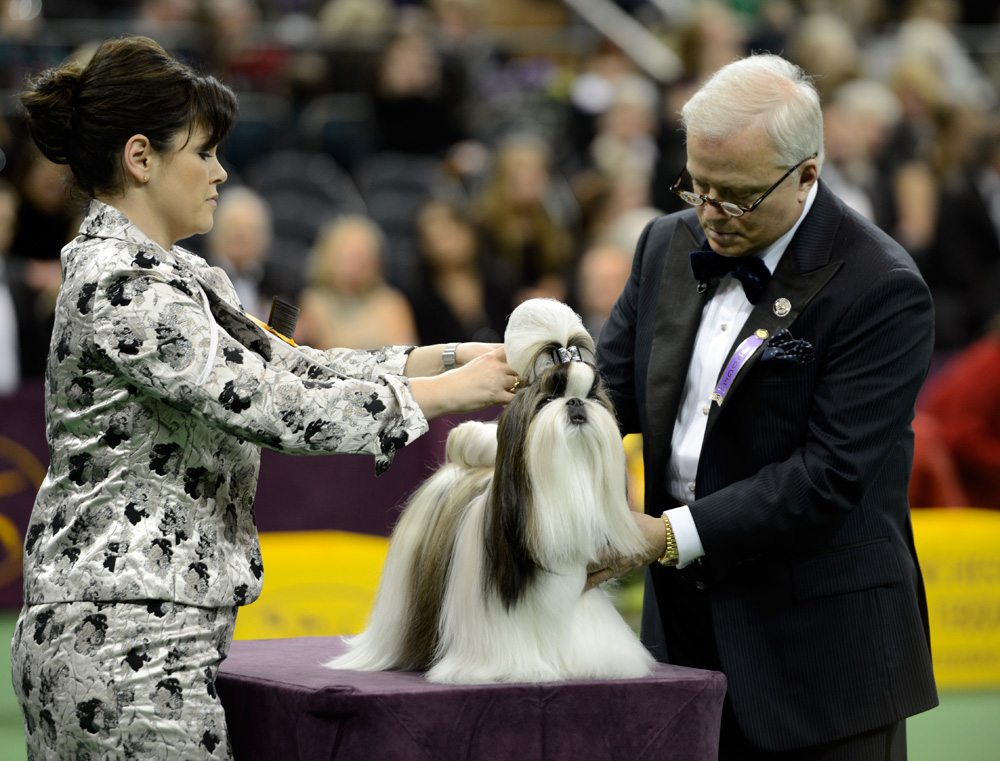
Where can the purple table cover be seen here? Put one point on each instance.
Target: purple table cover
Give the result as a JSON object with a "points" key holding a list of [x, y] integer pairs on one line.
{"points": [[281, 705]]}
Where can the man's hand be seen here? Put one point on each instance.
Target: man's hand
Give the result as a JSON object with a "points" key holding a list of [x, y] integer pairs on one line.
{"points": [[612, 567]]}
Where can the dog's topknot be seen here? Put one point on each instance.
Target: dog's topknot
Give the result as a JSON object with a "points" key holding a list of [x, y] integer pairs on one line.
{"points": [[535, 327]]}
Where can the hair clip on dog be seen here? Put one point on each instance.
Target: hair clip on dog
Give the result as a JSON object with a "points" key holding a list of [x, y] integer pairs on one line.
{"points": [[561, 355]]}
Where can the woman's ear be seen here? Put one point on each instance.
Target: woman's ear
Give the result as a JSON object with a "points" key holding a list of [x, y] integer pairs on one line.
{"points": [[138, 158]]}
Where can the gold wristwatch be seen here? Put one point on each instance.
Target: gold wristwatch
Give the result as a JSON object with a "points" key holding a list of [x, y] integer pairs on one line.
{"points": [[670, 555]]}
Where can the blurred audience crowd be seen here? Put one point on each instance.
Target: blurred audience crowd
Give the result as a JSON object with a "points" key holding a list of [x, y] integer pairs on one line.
{"points": [[409, 170]]}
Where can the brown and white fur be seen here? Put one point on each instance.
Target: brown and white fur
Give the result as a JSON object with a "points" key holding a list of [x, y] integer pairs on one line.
{"points": [[484, 577]]}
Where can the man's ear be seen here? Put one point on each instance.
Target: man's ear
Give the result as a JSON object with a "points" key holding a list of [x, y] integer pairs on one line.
{"points": [[808, 176], [137, 158]]}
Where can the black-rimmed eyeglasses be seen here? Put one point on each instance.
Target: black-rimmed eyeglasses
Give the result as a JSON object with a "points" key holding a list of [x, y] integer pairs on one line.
{"points": [[727, 207]]}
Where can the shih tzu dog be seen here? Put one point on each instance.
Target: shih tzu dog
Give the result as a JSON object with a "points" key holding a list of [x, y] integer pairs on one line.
{"points": [[484, 577]]}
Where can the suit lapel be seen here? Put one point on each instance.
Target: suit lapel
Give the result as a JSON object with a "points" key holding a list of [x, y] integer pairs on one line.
{"points": [[801, 273], [678, 315]]}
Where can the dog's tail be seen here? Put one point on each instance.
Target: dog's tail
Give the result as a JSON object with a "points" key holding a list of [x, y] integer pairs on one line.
{"points": [[402, 631], [472, 444]]}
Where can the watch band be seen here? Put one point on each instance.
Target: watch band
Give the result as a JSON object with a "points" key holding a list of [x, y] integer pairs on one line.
{"points": [[448, 356], [670, 555]]}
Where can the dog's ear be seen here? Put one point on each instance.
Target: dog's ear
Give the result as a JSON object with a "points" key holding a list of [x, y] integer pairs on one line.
{"points": [[510, 565], [602, 395]]}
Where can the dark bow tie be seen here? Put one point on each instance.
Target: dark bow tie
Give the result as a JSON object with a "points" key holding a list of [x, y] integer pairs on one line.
{"points": [[749, 270]]}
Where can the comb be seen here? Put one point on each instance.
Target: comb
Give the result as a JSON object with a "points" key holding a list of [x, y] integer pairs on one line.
{"points": [[283, 318]]}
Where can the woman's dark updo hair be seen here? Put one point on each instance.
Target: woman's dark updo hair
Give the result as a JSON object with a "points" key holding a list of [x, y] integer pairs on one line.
{"points": [[82, 114]]}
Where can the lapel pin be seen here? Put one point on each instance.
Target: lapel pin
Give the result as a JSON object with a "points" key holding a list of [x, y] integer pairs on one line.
{"points": [[782, 307]]}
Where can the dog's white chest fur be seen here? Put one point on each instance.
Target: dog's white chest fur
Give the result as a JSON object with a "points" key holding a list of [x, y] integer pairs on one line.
{"points": [[486, 567]]}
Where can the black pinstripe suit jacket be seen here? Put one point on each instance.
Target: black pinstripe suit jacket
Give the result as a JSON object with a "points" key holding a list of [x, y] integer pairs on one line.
{"points": [[816, 596]]}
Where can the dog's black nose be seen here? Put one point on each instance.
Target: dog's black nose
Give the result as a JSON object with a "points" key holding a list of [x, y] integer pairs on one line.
{"points": [[576, 411]]}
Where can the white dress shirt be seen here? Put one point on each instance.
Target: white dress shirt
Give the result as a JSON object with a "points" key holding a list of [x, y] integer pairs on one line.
{"points": [[721, 320]]}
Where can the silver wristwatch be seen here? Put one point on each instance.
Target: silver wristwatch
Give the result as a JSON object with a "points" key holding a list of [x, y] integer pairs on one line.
{"points": [[448, 356]]}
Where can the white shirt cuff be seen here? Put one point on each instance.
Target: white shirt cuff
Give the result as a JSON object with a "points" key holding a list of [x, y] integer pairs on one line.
{"points": [[685, 534]]}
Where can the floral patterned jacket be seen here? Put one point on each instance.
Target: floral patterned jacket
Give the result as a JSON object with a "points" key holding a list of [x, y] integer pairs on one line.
{"points": [[160, 393]]}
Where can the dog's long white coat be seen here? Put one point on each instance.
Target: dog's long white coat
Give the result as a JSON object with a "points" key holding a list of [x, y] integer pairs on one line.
{"points": [[578, 512], [554, 633]]}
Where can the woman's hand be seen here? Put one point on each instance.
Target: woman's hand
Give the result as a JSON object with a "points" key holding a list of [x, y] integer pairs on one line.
{"points": [[483, 381]]}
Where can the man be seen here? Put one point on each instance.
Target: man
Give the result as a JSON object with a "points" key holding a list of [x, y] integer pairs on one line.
{"points": [[239, 243], [775, 417]]}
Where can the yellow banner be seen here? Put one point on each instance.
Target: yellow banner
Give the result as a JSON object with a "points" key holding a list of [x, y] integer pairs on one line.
{"points": [[959, 553], [316, 583]]}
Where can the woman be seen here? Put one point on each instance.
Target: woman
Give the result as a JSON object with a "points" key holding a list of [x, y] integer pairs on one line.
{"points": [[518, 224], [160, 392], [459, 293], [348, 302]]}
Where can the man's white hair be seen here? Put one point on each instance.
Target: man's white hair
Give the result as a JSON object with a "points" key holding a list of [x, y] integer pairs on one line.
{"points": [[762, 89]]}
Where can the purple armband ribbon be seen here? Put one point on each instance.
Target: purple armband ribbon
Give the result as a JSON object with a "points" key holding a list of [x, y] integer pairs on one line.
{"points": [[743, 352]]}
